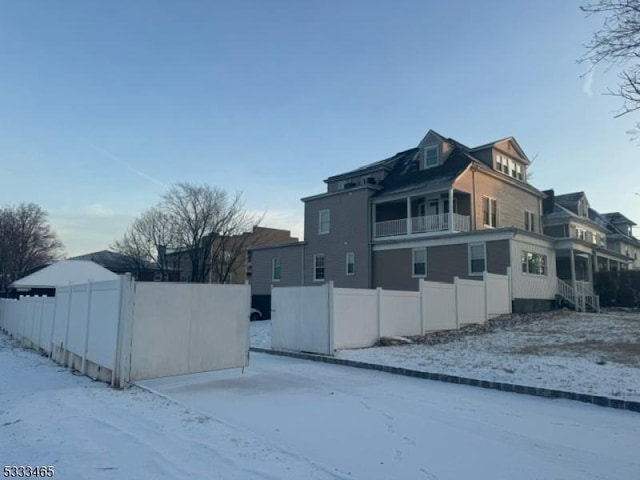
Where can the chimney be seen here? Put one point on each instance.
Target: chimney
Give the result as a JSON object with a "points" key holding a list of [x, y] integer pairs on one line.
{"points": [[548, 203]]}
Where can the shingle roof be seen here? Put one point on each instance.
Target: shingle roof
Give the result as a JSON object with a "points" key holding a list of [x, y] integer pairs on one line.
{"points": [[407, 174], [617, 217]]}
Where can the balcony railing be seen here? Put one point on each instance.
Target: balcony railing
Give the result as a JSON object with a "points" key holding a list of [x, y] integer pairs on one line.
{"points": [[426, 224]]}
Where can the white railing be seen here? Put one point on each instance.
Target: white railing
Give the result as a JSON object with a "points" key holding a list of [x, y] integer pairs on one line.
{"points": [[581, 297], [425, 224], [391, 228]]}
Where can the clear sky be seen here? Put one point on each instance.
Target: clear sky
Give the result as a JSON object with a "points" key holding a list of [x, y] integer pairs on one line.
{"points": [[104, 104]]}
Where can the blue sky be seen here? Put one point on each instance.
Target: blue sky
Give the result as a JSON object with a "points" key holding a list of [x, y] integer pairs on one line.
{"points": [[104, 104]]}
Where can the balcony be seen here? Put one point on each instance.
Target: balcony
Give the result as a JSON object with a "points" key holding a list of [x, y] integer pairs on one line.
{"points": [[424, 224]]}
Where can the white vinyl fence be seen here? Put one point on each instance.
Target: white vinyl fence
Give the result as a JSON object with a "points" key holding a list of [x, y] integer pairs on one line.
{"points": [[122, 331], [324, 319]]}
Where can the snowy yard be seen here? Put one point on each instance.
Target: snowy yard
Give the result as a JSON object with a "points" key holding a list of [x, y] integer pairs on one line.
{"points": [[285, 418], [585, 353]]}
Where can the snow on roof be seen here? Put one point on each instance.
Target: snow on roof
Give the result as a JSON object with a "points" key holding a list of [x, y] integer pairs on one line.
{"points": [[65, 272]]}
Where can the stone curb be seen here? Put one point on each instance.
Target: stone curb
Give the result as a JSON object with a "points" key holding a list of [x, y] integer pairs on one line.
{"points": [[442, 377]]}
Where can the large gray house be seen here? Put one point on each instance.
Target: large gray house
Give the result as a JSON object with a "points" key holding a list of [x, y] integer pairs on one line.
{"points": [[437, 211]]}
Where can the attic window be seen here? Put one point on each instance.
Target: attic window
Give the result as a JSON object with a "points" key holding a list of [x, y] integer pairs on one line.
{"points": [[431, 156]]}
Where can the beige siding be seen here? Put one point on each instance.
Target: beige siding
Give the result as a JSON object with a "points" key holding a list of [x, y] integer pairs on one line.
{"points": [[512, 201]]}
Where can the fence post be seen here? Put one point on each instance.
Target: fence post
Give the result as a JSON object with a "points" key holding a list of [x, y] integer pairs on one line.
{"points": [[379, 311], [510, 289], [65, 350], [331, 317], [455, 284], [486, 295], [421, 287], [85, 350], [122, 364]]}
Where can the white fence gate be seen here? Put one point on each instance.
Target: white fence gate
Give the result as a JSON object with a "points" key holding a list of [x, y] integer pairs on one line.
{"points": [[122, 331], [324, 319]]}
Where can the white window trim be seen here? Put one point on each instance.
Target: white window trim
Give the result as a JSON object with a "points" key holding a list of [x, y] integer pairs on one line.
{"points": [[324, 267], [328, 212], [413, 262], [490, 212], [531, 218], [424, 156], [536, 275], [484, 248], [273, 269], [351, 255]]}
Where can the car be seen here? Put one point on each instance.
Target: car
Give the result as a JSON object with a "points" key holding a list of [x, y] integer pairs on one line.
{"points": [[255, 315]]}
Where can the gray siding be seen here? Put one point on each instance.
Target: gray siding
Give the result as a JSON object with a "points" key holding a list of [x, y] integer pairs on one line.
{"points": [[291, 268], [559, 231], [392, 269], [348, 232]]}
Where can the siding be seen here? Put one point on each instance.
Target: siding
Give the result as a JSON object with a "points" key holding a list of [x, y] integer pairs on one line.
{"points": [[559, 231], [512, 201], [348, 232], [392, 269], [533, 286], [291, 268]]}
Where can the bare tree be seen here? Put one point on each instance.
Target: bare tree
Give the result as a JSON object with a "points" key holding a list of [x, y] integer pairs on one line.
{"points": [[201, 228], [26, 241], [617, 44], [145, 241]]}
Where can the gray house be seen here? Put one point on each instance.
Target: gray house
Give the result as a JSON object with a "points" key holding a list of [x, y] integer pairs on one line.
{"points": [[437, 211]]}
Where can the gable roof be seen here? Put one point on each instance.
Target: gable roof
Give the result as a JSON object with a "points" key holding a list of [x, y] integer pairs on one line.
{"points": [[387, 164], [512, 140], [65, 272]]}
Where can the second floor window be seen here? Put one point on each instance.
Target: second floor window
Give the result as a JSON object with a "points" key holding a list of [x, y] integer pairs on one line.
{"points": [[324, 218], [350, 260], [276, 269], [490, 212], [318, 267], [529, 221]]}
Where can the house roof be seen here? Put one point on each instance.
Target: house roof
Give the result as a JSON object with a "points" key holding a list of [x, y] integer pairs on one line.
{"points": [[513, 141], [617, 217], [114, 261], [380, 164], [65, 272], [407, 174]]}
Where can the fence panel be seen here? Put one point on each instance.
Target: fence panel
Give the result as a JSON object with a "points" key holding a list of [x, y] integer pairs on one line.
{"points": [[188, 328], [471, 302], [300, 319], [400, 314], [355, 318], [498, 301], [103, 317], [439, 306]]}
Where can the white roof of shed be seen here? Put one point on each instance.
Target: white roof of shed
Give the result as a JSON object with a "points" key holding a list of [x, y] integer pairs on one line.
{"points": [[65, 272]]}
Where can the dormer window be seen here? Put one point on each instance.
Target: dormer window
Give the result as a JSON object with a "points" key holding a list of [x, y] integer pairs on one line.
{"points": [[431, 156], [509, 167]]}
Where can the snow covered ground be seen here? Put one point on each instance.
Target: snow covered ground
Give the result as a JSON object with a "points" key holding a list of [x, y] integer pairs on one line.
{"points": [[584, 353], [285, 418]]}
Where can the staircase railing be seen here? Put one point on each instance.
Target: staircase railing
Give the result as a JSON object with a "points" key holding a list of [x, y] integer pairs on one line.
{"points": [[582, 297]]}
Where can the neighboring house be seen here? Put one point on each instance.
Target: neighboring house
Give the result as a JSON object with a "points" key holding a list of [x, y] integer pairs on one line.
{"points": [[620, 237], [435, 212], [228, 260], [118, 263], [587, 242]]}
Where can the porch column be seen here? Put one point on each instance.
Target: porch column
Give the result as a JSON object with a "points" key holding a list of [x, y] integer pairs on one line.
{"points": [[409, 215], [590, 271], [451, 209], [573, 277], [374, 207]]}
